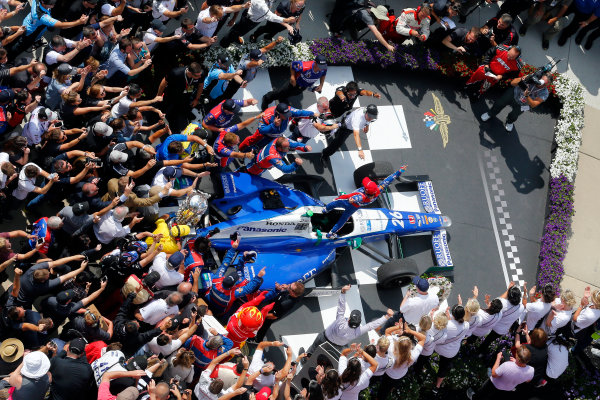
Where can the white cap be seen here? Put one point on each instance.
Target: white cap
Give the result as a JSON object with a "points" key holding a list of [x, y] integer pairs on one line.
{"points": [[117, 156]]}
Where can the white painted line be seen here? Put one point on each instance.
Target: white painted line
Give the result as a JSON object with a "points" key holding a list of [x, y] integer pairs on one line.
{"points": [[491, 210]]}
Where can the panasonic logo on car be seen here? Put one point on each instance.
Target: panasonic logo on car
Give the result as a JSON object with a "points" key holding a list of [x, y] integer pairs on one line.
{"points": [[266, 230]]}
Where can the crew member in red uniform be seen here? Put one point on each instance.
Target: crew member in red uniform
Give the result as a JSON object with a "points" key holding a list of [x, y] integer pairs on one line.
{"points": [[499, 62], [304, 75], [221, 115], [273, 123], [227, 140], [247, 321], [272, 156]]}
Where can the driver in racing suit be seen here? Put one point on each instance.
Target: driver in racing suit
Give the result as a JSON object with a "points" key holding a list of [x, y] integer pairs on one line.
{"points": [[247, 320], [360, 197]]}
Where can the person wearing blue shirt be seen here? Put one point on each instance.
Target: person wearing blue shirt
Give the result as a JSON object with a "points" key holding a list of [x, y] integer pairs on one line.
{"points": [[304, 75], [171, 149], [586, 12], [220, 117], [272, 155], [36, 23], [218, 78], [118, 70]]}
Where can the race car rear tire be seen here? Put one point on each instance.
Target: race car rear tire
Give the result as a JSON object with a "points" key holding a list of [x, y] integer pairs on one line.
{"points": [[397, 273], [375, 171]]}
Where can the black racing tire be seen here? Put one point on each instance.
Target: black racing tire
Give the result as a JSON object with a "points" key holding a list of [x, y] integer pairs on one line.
{"points": [[375, 171], [397, 273]]}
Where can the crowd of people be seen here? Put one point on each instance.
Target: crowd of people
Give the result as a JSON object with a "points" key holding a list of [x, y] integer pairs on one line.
{"points": [[107, 300]]}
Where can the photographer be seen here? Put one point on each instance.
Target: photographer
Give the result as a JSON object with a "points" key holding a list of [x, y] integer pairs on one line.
{"points": [[526, 93]]}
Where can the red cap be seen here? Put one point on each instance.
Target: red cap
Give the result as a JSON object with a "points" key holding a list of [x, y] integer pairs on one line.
{"points": [[371, 188], [264, 393]]}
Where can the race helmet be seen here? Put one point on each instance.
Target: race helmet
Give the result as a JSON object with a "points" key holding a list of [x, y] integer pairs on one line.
{"points": [[250, 318], [371, 188]]}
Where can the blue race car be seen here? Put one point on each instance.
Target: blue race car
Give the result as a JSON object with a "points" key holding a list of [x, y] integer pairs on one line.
{"points": [[287, 227]]}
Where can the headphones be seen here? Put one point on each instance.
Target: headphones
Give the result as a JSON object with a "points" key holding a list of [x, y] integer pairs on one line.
{"points": [[93, 318]]}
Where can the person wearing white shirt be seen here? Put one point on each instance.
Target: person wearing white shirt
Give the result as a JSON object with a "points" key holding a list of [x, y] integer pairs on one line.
{"points": [[537, 309], [39, 122], [108, 224], [212, 389], [448, 349], [209, 18], [164, 344], [404, 355], [58, 53], [512, 309], [487, 318], [561, 313], [384, 361], [584, 319], [7, 170], [113, 8], [353, 123], [258, 12], [159, 309], [171, 270], [436, 333], [415, 304], [307, 128], [344, 330], [266, 378], [558, 357], [472, 311], [27, 178], [353, 378], [154, 35], [163, 10]]}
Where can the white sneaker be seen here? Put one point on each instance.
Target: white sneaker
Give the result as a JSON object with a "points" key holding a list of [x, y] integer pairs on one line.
{"points": [[485, 116], [470, 393], [509, 127]]}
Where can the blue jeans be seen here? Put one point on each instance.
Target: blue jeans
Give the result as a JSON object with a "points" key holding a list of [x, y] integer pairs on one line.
{"points": [[349, 209]]}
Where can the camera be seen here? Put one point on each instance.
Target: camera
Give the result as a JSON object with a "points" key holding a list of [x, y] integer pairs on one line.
{"points": [[96, 161]]}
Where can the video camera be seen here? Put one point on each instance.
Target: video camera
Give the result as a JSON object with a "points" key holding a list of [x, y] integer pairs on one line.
{"points": [[535, 78]]}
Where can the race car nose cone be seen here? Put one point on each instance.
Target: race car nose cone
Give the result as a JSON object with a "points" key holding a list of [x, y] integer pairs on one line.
{"points": [[446, 221]]}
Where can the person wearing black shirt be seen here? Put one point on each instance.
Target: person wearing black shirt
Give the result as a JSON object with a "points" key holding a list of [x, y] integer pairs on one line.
{"points": [[182, 88], [465, 41], [285, 9], [126, 329], [76, 10], [72, 376], [284, 298], [345, 97], [503, 31]]}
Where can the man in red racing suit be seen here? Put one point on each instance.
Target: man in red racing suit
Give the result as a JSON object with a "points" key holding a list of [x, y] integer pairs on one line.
{"points": [[499, 62]]}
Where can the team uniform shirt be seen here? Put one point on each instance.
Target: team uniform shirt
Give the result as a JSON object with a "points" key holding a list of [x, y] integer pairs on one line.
{"points": [[26, 185], [421, 304], [350, 391], [383, 363], [409, 22], [159, 7], [306, 76], [398, 372], [162, 151], [218, 118], [110, 361], [156, 311], [340, 333], [203, 354], [474, 322], [34, 129], [510, 375], [510, 314], [306, 126], [500, 64], [338, 106], [262, 380], [558, 360], [168, 277], [507, 36], [221, 84], [267, 127], [270, 157], [561, 319], [222, 151], [355, 121], [535, 311], [38, 17], [486, 323], [432, 338], [455, 332], [586, 318]]}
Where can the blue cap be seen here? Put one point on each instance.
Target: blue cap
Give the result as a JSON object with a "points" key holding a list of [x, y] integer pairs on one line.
{"points": [[172, 172], [175, 260]]}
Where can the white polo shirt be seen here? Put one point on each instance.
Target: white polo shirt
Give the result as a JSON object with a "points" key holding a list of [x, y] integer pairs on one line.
{"points": [[168, 277], [159, 7], [156, 311], [415, 307], [26, 185]]}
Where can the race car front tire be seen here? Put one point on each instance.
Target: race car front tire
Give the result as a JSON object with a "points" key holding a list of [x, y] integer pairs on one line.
{"points": [[375, 171], [397, 273]]}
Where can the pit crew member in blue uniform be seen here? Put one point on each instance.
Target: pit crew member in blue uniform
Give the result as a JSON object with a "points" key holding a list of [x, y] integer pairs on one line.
{"points": [[171, 149], [304, 75], [359, 198], [273, 123], [272, 156], [220, 117], [227, 139]]}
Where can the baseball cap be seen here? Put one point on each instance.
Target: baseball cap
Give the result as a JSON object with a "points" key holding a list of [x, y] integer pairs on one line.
{"points": [[256, 54], [77, 346], [151, 278], [7, 95], [102, 129], [284, 110], [231, 105], [175, 260], [138, 362], [175, 322], [230, 280], [223, 58], [355, 319], [372, 111], [172, 172], [64, 69], [321, 61], [35, 365], [250, 256], [44, 114], [131, 393], [64, 296], [264, 393], [420, 283], [380, 12], [158, 25], [117, 156], [80, 208]]}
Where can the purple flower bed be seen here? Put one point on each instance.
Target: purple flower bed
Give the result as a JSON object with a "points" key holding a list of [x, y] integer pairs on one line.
{"points": [[554, 245], [340, 51]]}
